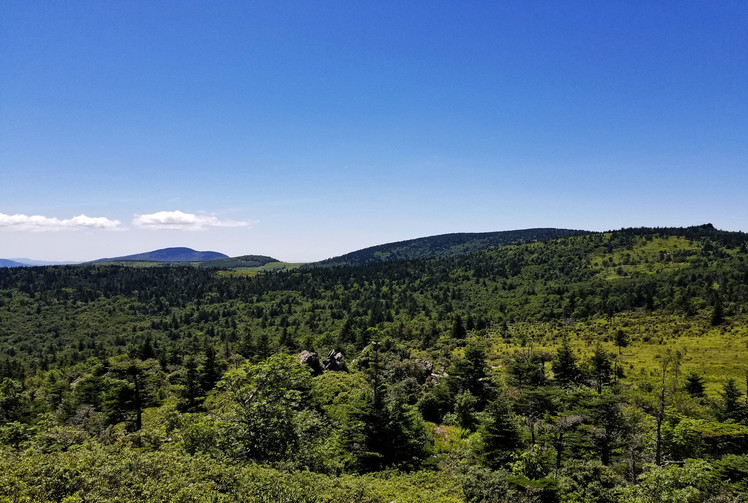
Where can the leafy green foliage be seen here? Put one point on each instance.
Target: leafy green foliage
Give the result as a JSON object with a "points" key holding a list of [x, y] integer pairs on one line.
{"points": [[259, 405]]}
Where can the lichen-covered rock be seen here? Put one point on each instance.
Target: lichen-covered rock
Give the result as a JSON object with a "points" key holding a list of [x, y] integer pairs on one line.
{"points": [[310, 358], [334, 361]]}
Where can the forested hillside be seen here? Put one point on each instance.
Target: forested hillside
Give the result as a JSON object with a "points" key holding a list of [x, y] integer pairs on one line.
{"points": [[445, 245], [592, 367]]}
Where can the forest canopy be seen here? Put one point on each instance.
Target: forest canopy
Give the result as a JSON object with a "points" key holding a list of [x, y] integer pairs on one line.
{"points": [[588, 367]]}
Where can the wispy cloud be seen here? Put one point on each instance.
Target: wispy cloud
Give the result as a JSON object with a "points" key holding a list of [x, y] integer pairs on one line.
{"points": [[39, 223], [178, 220]]}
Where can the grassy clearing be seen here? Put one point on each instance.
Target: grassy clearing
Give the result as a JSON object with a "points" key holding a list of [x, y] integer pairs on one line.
{"points": [[254, 271], [716, 353], [646, 257]]}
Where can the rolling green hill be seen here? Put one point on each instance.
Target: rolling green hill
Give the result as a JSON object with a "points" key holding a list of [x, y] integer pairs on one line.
{"points": [[445, 245], [244, 261]]}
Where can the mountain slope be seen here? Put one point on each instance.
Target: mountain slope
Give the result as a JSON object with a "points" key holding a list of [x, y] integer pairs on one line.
{"points": [[10, 263], [179, 254], [33, 263], [444, 245]]}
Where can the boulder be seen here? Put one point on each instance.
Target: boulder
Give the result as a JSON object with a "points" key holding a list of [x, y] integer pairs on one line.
{"points": [[427, 367], [310, 358], [334, 361]]}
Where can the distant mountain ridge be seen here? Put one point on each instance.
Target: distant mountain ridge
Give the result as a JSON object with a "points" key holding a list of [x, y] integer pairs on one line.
{"points": [[445, 245], [178, 254], [11, 263], [27, 262]]}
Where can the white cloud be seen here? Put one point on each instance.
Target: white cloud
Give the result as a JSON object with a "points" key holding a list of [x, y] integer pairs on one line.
{"points": [[39, 223], [177, 220]]}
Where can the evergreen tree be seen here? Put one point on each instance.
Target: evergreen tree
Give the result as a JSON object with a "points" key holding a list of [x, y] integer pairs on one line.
{"points": [[346, 335], [429, 335], [247, 344], [565, 368], [464, 410], [608, 425], [500, 433], [146, 349], [14, 403], [383, 430], [286, 340], [211, 372], [191, 392], [622, 340], [526, 368], [729, 406], [718, 314], [469, 374], [695, 385], [458, 329], [262, 349], [601, 367]]}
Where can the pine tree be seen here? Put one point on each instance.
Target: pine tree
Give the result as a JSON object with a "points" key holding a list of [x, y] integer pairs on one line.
{"points": [[718, 314], [247, 344], [346, 335], [500, 433], [210, 373], [601, 367], [565, 368], [286, 340], [458, 329], [191, 392], [622, 340], [469, 374], [146, 350], [263, 346], [695, 385], [730, 407]]}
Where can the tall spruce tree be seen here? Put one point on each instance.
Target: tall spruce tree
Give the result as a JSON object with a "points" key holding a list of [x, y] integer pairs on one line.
{"points": [[695, 385], [565, 368], [500, 433]]}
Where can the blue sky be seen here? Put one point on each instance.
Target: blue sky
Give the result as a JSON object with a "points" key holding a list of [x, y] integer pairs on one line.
{"points": [[308, 129]]}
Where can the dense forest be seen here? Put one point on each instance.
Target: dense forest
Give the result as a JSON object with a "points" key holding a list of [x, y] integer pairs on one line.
{"points": [[595, 367]]}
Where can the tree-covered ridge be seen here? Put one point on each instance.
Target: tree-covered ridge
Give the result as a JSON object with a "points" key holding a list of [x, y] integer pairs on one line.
{"points": [[179, 254], [569, 278], [445, 245], [243, 261], [597, 367]]}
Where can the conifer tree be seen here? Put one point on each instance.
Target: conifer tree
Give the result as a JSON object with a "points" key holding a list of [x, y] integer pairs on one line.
{"points": [[247, 344], [695, 385], [601, 367], [191, 392], [500, 433], [718, 314], [210, 373], [458, 329], [730, 407], [622, 340], [565, 368]]}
